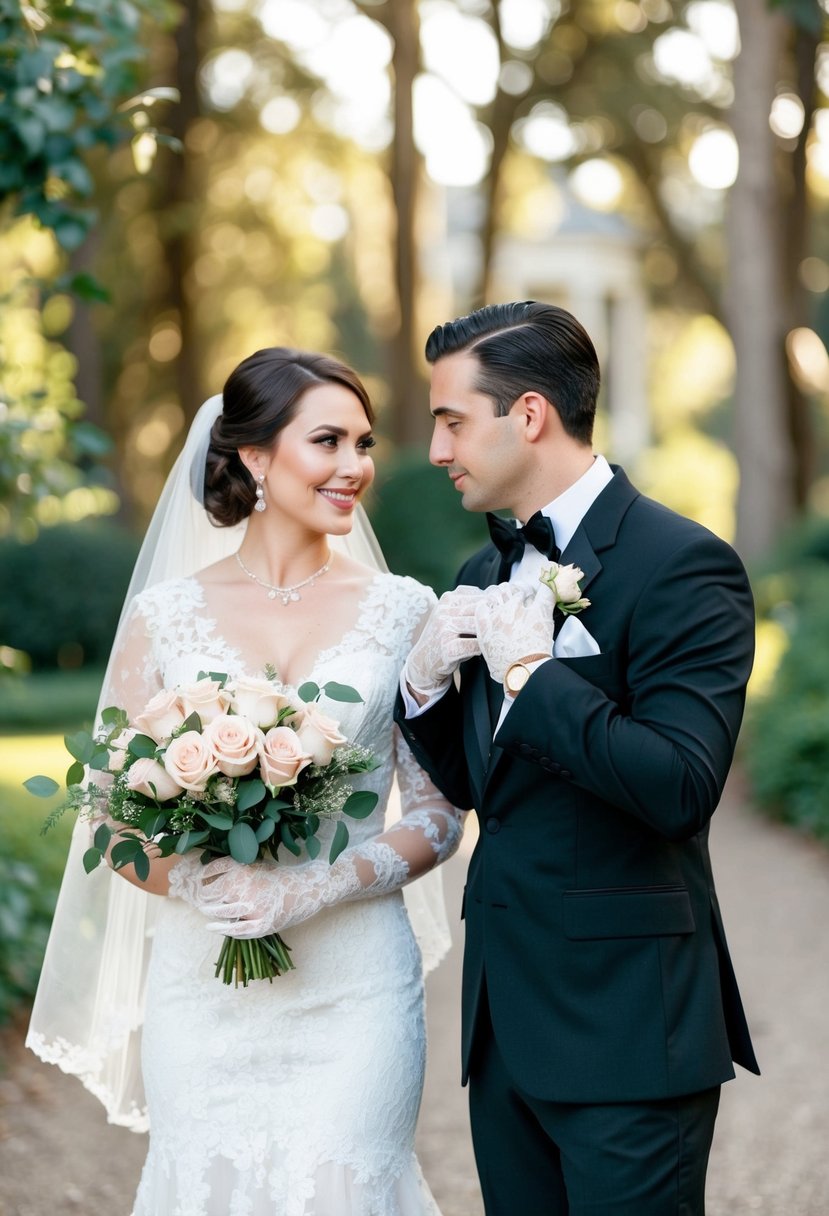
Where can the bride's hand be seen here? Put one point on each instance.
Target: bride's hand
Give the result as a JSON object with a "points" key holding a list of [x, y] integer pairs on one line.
{"points": [[199, 885], [254, 900], [448, 638]]}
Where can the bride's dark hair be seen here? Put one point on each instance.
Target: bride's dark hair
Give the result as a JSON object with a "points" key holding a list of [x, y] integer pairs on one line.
{"points": [[260, 398]]}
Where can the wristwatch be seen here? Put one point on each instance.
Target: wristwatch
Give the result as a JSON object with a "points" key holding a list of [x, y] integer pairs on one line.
{"points": [[518, 673]]}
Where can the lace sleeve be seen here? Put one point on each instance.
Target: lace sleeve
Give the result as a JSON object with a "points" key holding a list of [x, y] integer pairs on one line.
{"points": [[251, 901], [133, 677]]}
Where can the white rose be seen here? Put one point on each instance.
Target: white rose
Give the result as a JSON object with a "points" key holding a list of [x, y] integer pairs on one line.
{"points": [[190, 761], [564, 581], [235, 743], [145, 773], [162, 716], [282, 757], [319, 735], [118, 749], [206, 698], [258, 700]]}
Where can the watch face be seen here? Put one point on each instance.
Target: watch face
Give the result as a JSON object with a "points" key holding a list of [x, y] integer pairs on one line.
{"points": [[517, 677]]}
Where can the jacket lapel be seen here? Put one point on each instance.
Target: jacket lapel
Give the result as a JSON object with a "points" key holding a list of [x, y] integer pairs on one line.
{"points": [[598, 530]]}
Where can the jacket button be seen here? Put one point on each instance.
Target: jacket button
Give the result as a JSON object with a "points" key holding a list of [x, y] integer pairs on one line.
{"points": [[493, 825], [565, 772], [524, 748]]}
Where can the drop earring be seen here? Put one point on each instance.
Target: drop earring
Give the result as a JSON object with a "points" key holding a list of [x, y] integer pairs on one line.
{"points": [[260, 504]]}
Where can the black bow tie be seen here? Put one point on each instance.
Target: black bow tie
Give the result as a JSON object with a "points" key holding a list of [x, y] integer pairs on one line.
{"points": [[510, 541]]}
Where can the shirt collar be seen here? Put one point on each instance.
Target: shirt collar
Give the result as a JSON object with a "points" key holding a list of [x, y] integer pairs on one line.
{"points": [[568, 510]]}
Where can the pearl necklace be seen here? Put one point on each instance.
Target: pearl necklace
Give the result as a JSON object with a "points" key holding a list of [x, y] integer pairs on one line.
{"points": [[285, 594]]}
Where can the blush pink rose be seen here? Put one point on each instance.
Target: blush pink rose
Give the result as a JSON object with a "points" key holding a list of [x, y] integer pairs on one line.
{"points": [[145, 773], [282, 757], [190, 761], [206, 698], [319, 735], [235, 742], [162, 715], [257, 699]]}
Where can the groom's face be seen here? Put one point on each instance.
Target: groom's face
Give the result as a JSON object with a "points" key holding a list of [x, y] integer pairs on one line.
{"points": [[482, 452]]}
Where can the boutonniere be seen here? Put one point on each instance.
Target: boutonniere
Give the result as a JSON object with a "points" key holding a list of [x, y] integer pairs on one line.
{"points": [[563, 581]]}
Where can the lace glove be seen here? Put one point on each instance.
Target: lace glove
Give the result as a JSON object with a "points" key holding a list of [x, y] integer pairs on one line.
{"points": [[193, 882], [448, 638], [513, 624], [254, 900]]}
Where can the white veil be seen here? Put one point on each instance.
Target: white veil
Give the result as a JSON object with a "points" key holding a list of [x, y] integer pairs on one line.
{"points": [[89, 1006]]}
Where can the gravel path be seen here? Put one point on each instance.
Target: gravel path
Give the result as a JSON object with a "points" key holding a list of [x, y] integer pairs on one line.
{"points": [[771, 1151]]}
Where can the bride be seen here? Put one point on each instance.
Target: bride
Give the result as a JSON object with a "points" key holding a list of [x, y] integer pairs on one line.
{"points": [[297, 1097]]}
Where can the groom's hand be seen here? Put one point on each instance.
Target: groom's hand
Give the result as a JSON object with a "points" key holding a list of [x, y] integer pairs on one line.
{"points": [[514, 624], [448, 638]]}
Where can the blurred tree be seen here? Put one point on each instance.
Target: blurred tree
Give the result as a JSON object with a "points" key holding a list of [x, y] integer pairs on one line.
{"points": [[66, 70], [768, 238]]}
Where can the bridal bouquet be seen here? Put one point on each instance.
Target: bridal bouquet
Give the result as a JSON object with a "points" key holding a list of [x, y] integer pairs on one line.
{"points": [[235, 768]]}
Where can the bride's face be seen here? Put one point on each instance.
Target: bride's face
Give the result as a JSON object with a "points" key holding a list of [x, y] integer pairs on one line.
{"points": [[320, 466]]}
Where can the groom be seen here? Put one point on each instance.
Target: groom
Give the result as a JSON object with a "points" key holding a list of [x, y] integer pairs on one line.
{"points": [[600, 1009]]}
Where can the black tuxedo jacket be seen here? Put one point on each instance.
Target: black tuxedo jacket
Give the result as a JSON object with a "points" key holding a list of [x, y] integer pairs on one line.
{"points": [[592, 924]]}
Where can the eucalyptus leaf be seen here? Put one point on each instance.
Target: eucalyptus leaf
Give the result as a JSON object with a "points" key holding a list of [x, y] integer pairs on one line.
{"points": [[288, 839], [125, 851], [339, 842], [249, 793], [341, 692], [360, 804], [42, 787], [92, 859], [142, 746], [312, 846], [152, 821], [189, 840], [74, 773], [142, 866], [274, 807], [308, 691], [191, 722], [102, 837], [80, 746], [242, 842], [99, 758], [265, 830], [216, 820]]}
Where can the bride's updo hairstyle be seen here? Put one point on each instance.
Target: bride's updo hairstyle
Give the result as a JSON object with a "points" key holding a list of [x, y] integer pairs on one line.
{"points": [[261, 396]]}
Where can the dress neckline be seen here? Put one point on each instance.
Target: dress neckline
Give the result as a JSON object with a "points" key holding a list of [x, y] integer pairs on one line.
{"points": [[322, 656]]}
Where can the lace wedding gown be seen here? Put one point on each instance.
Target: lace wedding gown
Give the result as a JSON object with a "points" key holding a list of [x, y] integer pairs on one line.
{"points": [[300, 1097]]}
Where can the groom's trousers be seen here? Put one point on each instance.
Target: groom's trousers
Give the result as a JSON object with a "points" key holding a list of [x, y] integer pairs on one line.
{"points": [[541, 1158]]}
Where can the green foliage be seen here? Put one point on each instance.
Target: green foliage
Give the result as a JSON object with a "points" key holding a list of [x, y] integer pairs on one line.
{"points": [[50, 699], [25, 916], [787, 732], [65, 67], [421, 526], [63, 592]]}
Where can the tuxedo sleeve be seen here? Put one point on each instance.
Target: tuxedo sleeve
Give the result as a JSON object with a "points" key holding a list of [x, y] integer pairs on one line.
{"points": [[435, 739], [661, 753]]}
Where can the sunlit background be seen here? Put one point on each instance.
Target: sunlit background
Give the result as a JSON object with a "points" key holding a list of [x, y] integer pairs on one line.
{"points": [[183, 182]]}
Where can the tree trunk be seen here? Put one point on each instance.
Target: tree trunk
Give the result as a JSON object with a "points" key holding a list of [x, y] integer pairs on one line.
{"points": [[755, 291], [179, 208], [797, 242], [410, 420]]}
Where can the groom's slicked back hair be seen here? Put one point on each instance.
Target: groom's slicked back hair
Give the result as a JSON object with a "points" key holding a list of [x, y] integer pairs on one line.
{"points": [[527, 347]]}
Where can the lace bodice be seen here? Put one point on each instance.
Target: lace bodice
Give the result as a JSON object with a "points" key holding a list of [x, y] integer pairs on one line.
{"points": [[171, 638]]}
